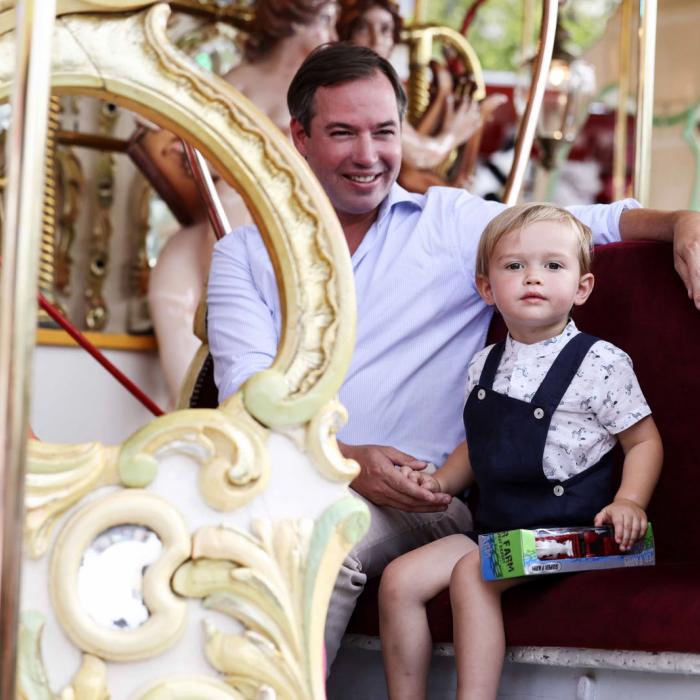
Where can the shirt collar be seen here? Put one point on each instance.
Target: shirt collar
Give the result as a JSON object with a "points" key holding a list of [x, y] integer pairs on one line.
{"points": [[544, 348], [398, 195]]}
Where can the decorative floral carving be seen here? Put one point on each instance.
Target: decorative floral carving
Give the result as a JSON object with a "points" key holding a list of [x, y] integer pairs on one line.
{"points": [[58, 476], [276, 582]]}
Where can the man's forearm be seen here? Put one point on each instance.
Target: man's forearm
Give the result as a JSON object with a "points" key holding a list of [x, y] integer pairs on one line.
{"points": [[649, 224]]}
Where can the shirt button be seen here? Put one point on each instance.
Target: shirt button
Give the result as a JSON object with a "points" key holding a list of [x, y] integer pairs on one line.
{"points": [[539, 413], [481, 394], [558, 490]]}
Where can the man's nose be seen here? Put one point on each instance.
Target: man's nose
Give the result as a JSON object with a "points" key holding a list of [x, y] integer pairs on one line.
{"points": [[365, 150]]}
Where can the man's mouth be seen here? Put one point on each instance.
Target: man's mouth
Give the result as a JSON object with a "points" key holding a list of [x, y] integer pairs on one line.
{"points": [[363, 179]]}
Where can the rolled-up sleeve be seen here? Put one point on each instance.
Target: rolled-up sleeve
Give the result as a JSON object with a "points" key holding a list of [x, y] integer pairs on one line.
{"points": [[604, 219], [243, 318]]}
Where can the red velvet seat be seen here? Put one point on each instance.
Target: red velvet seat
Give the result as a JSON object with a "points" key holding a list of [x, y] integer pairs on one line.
{"points": [[639, 304]]}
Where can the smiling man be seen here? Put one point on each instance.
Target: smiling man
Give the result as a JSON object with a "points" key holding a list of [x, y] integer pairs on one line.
{"points": [[420, 317]]}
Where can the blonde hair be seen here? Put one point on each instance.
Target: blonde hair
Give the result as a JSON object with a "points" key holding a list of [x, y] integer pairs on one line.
{"points": [[522, 215]]}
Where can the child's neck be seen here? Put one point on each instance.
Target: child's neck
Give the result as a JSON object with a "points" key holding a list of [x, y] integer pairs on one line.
{"points": [[529, 335]]}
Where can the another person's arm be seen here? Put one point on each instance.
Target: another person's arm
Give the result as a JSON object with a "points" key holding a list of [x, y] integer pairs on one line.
{"points": [[243, 310], [640, 472], [454, 477]]}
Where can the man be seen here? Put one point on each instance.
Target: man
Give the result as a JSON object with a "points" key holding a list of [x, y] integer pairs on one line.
{"points": [[420, 318]]}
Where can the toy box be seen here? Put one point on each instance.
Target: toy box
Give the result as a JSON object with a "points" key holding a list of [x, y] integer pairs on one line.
{"points": [[558, 550]]}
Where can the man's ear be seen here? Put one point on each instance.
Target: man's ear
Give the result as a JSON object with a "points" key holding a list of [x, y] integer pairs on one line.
{"points": [[484, 288], [585, 287], [299, 136]]}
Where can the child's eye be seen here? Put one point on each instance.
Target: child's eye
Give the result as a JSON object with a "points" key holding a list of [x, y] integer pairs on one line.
{"points": [[514, 266], [553, 266]]}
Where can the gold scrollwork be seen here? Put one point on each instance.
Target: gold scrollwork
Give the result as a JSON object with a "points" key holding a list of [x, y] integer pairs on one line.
{"points": [[58, 476], [277, 582], [129, 59], [230, 449], [89, 682], [167, 613], [322, 447]]}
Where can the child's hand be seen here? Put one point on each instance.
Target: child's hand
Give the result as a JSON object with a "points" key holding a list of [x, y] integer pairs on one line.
{"points": [[629, 520], [427, 481]]}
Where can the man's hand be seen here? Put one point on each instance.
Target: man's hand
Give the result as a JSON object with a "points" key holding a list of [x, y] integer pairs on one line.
{"points": [[629, 520], [686, 251], [682, 227], [383, 484]]}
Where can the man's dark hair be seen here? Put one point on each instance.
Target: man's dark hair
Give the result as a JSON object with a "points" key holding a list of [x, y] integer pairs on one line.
{"points": [[334, 64]]}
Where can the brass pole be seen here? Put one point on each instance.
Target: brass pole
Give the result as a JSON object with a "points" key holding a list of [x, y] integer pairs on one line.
{"points": [[645, 100], [528, 125], [25, 148], [623, 91], [418, 12]]}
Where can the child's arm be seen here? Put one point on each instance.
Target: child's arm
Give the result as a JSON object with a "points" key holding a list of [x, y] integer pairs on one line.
{"points": [[453, 477], [643, 458]]}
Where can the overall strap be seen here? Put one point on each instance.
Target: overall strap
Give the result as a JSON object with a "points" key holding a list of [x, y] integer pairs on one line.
{"points": [[563, 370], [493, 359]]}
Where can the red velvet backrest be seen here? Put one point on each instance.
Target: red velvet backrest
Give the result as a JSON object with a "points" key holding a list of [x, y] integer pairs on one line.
{"points": [[640, 304]]}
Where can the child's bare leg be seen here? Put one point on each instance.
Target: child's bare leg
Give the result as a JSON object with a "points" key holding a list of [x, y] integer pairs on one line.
{"points": [[408, 583], [479, 638]]}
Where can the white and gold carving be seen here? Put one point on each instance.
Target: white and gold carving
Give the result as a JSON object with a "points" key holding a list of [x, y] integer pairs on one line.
{"points": [[189, 688], [166, 621], [58, 476], [89, 682], [321, 445], [276, 582], [231, 451]]}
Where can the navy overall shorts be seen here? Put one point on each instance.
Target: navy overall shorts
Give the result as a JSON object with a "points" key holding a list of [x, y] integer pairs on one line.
{"points": [[506, 439]]}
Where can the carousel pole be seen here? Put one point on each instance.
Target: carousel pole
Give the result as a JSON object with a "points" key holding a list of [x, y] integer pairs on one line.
{"points": [[18, 310], [528, 124], [645, 100], [623, 90]]}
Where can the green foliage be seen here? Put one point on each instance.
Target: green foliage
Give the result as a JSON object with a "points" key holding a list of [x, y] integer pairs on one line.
{"points": [[496, 32]]}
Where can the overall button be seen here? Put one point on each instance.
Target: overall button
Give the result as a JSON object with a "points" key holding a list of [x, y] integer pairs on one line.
{"points": [[481, 394], [558, 490], [539, 413]]}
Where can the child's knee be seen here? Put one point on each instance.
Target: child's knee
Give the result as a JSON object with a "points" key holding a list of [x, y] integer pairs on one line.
{"points": [[466, 571], [395, 586]]}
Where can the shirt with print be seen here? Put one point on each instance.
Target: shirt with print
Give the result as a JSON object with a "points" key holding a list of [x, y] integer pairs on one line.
{"points": [[603, 399]]}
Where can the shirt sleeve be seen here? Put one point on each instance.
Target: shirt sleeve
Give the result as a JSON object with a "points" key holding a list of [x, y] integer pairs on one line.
{"points": [[615, 395], [474, 370], [243, 317], [604, 219]]}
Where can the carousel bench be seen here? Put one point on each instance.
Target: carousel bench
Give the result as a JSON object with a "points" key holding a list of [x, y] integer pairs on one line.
{"points": [[648, 617]]}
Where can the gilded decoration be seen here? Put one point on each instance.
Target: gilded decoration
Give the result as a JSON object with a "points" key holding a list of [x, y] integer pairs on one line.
{"points": [[129, 60], [89, 682], [276, 581], [232, 453], [166, 618], [58, 477]]}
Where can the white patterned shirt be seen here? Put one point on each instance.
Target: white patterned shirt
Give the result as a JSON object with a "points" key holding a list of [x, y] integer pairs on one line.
{"points": [[603, 399]]}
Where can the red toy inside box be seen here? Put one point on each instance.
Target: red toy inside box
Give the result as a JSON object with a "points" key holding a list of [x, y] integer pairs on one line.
{"points": [[556, 550]]}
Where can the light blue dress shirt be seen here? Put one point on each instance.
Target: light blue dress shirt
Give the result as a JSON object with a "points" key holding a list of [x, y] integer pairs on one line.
{"points": [[420, 318]]}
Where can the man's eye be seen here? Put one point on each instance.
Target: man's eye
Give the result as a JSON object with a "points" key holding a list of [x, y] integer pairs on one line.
{"points": [[340, 132], [514, 266], [386, 132]]}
